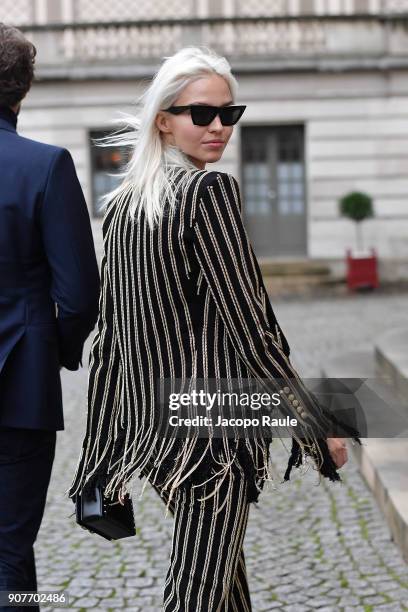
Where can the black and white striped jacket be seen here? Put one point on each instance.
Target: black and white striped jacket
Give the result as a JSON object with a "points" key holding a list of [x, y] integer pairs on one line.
{"points": [[184, 300]]}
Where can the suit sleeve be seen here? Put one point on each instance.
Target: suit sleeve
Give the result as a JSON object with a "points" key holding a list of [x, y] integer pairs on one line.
{"points": [[230, 268], [69, 246]]}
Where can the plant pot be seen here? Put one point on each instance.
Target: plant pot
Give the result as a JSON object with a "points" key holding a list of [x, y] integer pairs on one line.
{"points": [[362, 270]]}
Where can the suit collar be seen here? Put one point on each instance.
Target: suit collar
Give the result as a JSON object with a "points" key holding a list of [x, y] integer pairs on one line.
{"points": [[8, 119]]}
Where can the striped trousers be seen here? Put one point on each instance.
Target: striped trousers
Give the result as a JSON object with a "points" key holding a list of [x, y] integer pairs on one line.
{"points": [[207, 570]]}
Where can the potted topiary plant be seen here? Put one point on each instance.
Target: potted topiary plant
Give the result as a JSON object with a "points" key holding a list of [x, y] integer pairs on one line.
{"points": [[361, 264]]}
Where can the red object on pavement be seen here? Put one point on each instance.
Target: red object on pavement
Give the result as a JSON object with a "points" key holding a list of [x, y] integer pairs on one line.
{"points": [[362, 271]]}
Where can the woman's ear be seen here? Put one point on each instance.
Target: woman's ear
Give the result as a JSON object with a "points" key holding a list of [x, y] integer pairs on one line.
{"points": [[162, 122]]}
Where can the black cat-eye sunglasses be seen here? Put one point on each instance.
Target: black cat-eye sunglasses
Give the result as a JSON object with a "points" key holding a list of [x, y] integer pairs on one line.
{"points": [[204, 114]]}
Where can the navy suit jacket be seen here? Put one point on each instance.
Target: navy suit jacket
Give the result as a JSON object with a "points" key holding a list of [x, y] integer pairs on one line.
{"points": [[49, 277]]}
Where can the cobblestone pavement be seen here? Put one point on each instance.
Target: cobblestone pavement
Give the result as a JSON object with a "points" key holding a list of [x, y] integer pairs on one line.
{"points": [[307, 547]]}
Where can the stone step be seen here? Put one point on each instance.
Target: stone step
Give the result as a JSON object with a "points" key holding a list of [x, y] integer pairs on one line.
{"points": [[391, 356], [284, 277], [292, 267], [382, 460], [299, 285]]}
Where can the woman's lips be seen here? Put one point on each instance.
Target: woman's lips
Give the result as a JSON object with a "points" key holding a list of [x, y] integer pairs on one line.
{"points": [[213, 145]]}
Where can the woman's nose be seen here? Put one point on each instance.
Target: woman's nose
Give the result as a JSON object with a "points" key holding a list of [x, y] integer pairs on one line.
{"points": [[216, 124]]}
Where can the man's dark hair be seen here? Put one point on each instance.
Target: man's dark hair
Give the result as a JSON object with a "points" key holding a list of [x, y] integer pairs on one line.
{"points": [[17, 56]]}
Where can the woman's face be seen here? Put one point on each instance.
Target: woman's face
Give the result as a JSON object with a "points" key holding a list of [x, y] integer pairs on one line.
{"points": [[193, 140]]}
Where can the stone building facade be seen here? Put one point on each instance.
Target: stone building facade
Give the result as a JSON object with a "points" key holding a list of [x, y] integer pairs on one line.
{"points": [[326, 88]]}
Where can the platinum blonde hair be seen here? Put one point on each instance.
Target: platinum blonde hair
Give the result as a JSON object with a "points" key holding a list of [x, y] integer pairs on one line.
{"points": [[148, 177]]}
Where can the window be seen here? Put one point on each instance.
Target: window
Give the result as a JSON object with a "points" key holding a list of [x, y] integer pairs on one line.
{"points": [[107, 163]]}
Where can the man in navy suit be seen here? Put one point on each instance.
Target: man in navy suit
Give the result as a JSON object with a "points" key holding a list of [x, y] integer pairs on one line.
{"points": [[49, 292]]}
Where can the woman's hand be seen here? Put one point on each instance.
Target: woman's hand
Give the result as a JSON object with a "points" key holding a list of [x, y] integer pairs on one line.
{"points": [[338, 450]]}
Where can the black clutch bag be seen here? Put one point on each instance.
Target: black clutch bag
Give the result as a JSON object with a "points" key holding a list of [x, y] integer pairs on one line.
{"points": [[112, 521]]}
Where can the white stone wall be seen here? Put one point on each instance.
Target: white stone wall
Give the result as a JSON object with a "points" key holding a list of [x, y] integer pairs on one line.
{"points": [[48, 11]]}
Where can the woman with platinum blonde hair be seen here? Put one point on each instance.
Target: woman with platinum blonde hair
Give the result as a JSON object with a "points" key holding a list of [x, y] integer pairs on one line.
{"points": [[182, 299]]}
